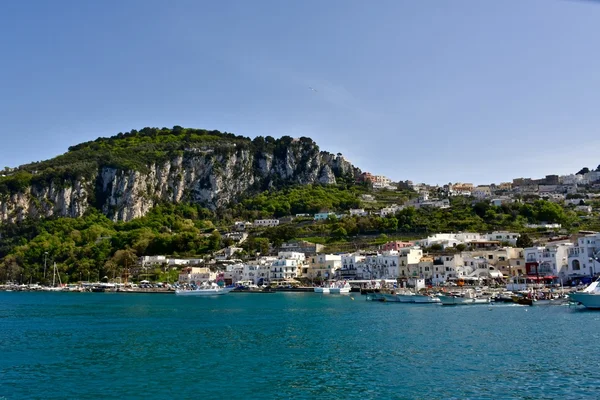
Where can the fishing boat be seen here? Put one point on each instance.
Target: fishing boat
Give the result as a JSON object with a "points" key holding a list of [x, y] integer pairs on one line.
{"points": [[205, 290], [588, 297]]}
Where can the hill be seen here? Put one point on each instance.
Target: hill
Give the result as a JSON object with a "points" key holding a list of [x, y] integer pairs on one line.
{"points": [[126, 175]]}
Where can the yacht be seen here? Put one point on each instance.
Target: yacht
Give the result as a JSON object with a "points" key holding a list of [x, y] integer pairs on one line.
{"points": [[340, 288], [589, 297], [205, 290]]}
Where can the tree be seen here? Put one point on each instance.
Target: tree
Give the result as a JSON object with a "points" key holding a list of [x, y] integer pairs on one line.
{"points": [[524, 241], [461, 247], [583, 171]]}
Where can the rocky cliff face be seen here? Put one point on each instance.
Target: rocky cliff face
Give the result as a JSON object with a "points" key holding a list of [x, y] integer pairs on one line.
{"points": [[211, 177]]}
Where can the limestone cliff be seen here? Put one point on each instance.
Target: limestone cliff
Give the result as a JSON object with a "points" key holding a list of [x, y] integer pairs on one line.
{"points": [[212, 175]]}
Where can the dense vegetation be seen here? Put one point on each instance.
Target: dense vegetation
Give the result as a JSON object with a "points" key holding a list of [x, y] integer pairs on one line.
{"points": [[137, 150]]}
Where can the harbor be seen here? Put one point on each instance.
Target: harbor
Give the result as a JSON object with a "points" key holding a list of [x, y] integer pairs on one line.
{"points": [[83, 342]]}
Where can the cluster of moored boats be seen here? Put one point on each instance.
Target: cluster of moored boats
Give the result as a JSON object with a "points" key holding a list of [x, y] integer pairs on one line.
{"points": [[588, 297], [470, 297]]}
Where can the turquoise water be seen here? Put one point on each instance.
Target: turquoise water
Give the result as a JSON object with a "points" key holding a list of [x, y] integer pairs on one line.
{"points": [[284, 345]]}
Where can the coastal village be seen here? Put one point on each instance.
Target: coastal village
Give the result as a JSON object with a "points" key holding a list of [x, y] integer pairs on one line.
{"points": [[498, 258]]}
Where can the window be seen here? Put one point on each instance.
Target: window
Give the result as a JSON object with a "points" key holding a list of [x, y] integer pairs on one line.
{"points": [[575, 265], [491, 257]]}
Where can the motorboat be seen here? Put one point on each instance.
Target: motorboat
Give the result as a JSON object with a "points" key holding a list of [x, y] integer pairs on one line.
{"points": [[468, 297], [320, 289], [340, 288], [205, 290], [588, 297]]}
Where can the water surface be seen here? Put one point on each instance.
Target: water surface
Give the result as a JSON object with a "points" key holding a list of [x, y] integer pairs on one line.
{"points": [[283, 345]]}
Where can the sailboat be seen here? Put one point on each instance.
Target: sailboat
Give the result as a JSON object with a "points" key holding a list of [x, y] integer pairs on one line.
{"points": [[55, 288]]}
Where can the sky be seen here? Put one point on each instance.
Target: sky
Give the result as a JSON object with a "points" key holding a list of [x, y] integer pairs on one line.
{"points": [[430, 91]]}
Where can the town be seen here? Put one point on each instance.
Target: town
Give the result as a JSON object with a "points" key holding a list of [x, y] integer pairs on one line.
{"points": [[438, 259]]}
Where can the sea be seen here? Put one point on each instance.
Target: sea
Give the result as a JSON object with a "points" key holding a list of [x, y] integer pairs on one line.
{"points": [[290, 345]]}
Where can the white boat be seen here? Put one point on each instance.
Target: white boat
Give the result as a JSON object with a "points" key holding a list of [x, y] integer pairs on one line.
{"points": [[588, 297], [465, 298], [205, 290], [424, 298], [321, 290], [340, 288]]}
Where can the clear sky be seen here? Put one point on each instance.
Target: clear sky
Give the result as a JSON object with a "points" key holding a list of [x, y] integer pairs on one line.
{"points": [[429, 90]]}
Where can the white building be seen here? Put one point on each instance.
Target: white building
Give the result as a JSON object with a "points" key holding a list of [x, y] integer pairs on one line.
{"points": [[570, 179], [266, 222], [288, 266], [551, 260], [391, 210], [378, 266], [322, 266], [350, 263], [242, 226], [359, 212], [503, 236], [482, 192], [584, 257], [197, 275], [451, 239], [584, 209]]}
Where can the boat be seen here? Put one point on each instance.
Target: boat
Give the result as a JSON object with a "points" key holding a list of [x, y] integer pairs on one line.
{"points": [[205, 290], [464, 298], [383, 297], [320, 289], [504, 297], [588, 297], [425, 298], [340, 288]]}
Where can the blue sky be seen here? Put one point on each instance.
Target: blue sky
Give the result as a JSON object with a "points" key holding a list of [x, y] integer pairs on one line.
{"points": [[430, 90]]}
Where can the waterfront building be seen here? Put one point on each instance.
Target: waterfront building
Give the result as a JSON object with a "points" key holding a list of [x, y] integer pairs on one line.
{"points": [[550, 260], [350, 263], [287, 266], [322, 266], [409, 258], [378, 266], [196, 275], [584, 256]]}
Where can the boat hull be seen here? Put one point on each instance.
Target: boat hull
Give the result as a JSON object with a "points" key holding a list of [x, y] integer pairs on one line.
{"points": [[322, 290], [203, 292], [342, 290], [425, 299], [457, 300], [406, 298], [589, 300]]}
